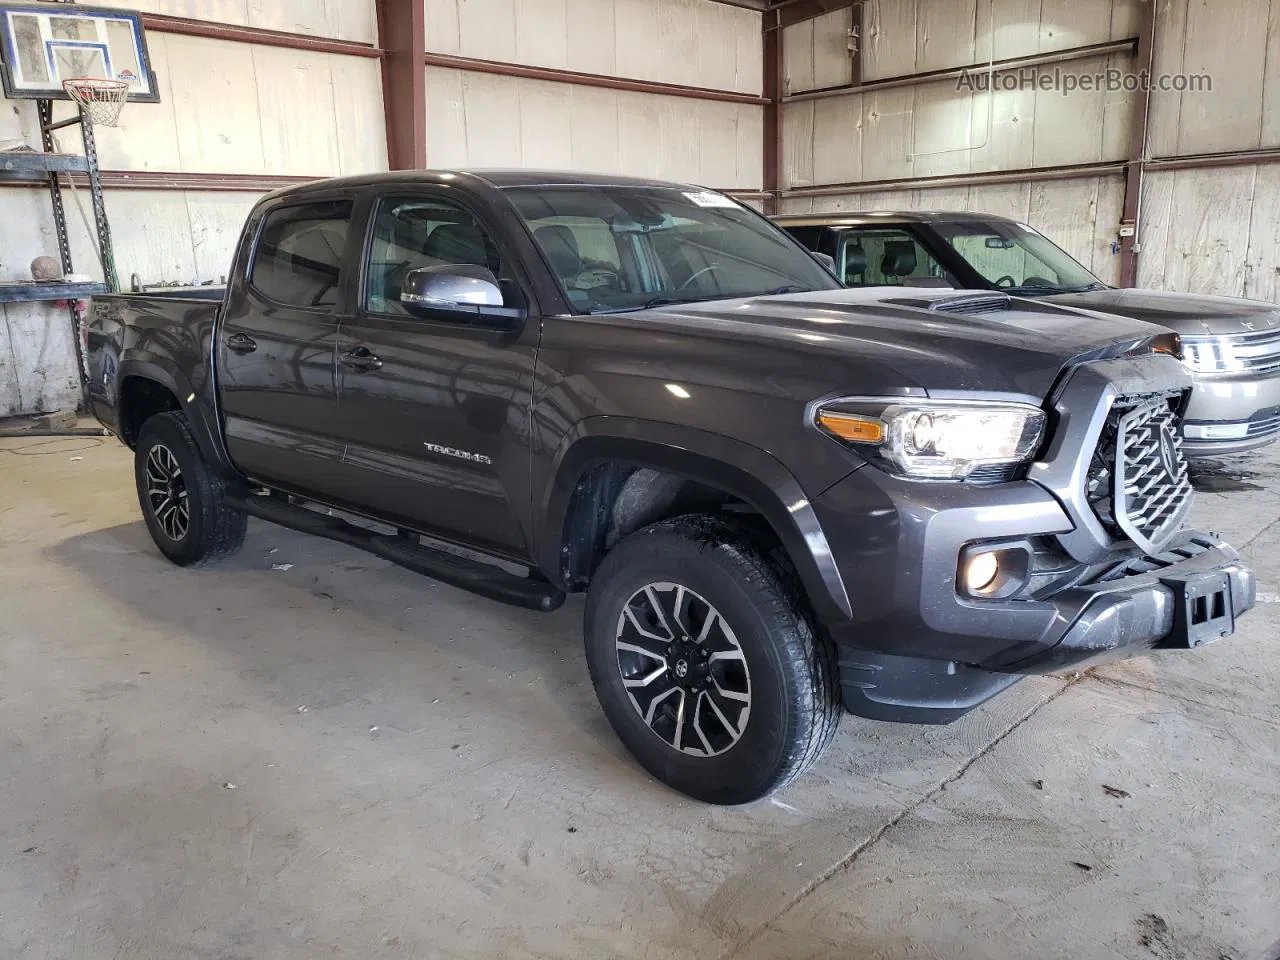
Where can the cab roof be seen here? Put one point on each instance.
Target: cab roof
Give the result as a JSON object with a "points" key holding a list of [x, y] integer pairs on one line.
{"points": [[496, 178], [846, 218]]}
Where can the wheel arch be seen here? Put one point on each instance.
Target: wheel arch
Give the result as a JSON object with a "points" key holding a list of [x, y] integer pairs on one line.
{"points": [[147, 388], [709, 460]]}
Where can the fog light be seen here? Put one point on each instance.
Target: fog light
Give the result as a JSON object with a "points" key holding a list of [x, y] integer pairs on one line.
{"points": [[980, 572]]}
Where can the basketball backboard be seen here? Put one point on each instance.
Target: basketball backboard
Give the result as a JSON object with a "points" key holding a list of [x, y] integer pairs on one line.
{"points": [[43, 44]]}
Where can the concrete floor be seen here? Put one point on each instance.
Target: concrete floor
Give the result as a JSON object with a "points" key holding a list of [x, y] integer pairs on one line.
{"points": [[341, 759]]}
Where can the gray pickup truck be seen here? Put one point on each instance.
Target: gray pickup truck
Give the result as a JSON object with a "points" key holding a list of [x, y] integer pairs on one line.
{"points": [[781, 498], [1231, 346]]}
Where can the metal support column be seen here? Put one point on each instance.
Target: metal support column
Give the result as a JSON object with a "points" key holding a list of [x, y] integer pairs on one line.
{"points": [[773, 156], [1131, 221], [44, 109]]}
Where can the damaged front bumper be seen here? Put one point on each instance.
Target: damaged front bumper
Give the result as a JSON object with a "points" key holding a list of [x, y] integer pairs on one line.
{"points": [[1189, 595]]}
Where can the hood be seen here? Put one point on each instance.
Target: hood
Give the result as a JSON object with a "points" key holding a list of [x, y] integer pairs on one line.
{"points": [[876, 339], [1186, 313]]}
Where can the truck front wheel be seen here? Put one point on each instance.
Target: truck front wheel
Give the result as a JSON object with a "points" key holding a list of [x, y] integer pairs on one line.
{"points": [[183, 501], [706, 663]]}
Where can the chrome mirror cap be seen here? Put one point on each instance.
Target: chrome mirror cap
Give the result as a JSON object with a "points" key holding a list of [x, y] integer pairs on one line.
{"points": [[451, 283]]}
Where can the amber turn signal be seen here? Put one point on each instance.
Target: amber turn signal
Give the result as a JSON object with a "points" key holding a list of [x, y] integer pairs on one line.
{"points": [[848, 426]]}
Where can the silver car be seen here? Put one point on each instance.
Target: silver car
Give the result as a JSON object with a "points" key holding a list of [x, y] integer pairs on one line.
{"points": [[1232, 346]]}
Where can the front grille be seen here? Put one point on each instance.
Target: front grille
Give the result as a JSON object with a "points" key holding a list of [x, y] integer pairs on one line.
{"points": [[1137, 483], [1258, 352], [1264, 426], [1237, 353]]}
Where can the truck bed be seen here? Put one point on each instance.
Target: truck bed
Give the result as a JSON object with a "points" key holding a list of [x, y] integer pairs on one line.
{"points": [[167, 337], [203, 292]]}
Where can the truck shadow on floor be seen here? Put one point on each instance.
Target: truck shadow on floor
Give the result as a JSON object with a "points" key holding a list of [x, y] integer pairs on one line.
{"points": [[291, 611]]}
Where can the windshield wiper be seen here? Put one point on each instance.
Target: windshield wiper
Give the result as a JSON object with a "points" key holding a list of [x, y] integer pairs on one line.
{"points": [[1034, 288], [661, 302], [789, 288]]}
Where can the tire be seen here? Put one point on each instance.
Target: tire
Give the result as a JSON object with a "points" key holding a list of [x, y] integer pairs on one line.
{"points": [[211, 530], [786, 671]]}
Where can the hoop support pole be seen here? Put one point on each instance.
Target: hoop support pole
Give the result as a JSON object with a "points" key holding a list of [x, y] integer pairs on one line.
{"points": [[99, 206]]}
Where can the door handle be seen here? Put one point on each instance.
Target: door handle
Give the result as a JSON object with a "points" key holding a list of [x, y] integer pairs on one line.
{"points": [[360, 359], [241, 343]]}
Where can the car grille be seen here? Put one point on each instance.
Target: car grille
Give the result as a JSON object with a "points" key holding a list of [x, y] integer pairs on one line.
{"points": [[1264, 426], [1137, 483], [993, 473], [1258, 352]]}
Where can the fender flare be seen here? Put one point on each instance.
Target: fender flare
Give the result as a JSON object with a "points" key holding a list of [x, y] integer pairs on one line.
{"points": [[738, 468], [206, 432]]}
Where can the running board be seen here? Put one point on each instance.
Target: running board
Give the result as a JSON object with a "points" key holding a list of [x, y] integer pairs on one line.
{"points": [[532, 593]]}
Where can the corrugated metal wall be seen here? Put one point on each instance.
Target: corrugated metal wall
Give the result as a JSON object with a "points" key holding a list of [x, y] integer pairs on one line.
{"points": [[339, 19], [1216, 229], [479, 119], [1208, 230], [690, 42]]}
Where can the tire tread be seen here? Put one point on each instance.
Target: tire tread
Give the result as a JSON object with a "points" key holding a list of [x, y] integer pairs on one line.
{"points": [[755, 560], [222, 527]]}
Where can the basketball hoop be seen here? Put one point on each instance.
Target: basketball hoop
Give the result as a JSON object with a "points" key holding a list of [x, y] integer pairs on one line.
{"points": [[100, 99]]}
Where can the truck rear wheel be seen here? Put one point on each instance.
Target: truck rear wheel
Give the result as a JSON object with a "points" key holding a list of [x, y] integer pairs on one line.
{"points": [[183, 501], [705, 661]]}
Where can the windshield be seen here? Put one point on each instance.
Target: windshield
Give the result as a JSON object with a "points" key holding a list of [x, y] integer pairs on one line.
{"points": [[1015, 258], [627, 248]]}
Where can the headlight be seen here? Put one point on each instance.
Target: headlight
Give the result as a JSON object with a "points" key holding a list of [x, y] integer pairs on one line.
{"points": [[1210, 354], [936, 440]]}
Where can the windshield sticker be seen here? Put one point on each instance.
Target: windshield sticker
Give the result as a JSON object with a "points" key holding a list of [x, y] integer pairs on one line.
{"points": [[706, 198]]}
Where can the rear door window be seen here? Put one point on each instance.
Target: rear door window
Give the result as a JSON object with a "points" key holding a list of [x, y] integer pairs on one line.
{"points": [[887, 257], [299, 257]]}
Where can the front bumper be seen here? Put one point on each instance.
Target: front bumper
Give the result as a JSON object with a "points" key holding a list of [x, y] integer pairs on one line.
{"points": [[1232, 414], [918, 651]]}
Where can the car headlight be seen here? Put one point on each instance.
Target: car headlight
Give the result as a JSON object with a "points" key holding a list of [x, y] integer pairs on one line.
{"points": [[936, 440], [1210, 354]]}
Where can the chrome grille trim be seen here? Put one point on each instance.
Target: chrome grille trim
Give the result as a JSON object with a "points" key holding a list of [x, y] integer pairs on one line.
{"points": [[1257, 352], [1265, 427]]}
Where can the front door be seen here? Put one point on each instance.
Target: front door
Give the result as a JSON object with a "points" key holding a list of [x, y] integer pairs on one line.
{"points": [[277, 344], [435, 415]]}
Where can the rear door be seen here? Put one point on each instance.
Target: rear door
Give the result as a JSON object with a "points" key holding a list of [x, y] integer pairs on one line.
{"points": [[434, 415], [277, 345]]}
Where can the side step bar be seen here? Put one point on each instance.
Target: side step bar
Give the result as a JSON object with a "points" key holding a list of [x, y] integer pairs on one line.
{"points": [[532, 593]]}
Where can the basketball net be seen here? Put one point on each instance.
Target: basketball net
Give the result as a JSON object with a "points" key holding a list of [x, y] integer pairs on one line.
{"points": [[100, 99]]}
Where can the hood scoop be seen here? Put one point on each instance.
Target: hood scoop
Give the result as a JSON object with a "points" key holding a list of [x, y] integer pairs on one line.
{"points": [[965, 303]]}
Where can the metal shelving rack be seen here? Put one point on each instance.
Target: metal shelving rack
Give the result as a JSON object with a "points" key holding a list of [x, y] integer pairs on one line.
{"points": [[33, 166]]}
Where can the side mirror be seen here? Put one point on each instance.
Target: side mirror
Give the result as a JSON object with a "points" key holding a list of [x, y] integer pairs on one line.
{"points": [[458, 293], [826, 259]]}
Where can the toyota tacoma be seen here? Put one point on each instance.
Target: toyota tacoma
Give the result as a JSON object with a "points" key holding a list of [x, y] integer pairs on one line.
{"points": [[783, 499]]}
